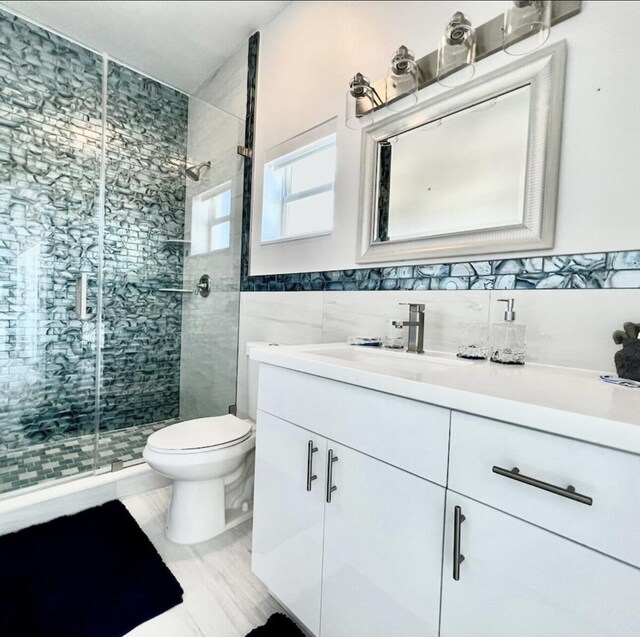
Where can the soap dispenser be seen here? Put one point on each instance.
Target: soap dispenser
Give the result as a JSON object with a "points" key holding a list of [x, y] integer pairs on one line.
{"points": [[508, 338]]}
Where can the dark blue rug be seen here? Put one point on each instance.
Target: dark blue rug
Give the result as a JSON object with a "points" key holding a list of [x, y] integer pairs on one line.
{"points": [[92, 574], [278, 625]]}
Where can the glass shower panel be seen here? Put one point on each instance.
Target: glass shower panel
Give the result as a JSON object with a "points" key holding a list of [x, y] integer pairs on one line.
{"points": [[209, 353], [50, 158], [144, 229]]}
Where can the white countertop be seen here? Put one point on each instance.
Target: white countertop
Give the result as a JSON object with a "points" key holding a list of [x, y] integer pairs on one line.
{"points": [[564, 401]]}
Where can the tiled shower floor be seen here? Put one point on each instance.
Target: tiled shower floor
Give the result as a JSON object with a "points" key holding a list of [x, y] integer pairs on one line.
{"points": [[48, 462]]}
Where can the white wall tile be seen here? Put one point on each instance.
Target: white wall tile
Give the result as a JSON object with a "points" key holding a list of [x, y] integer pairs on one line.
{"points": [[571, 328], [289, 318], [366, 314]]}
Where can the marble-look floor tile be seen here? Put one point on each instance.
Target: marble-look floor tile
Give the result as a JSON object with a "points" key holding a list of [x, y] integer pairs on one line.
{"points": [[222, 597]]}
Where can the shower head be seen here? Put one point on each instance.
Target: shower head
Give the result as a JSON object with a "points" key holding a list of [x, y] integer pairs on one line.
{"points": [[193, 172]]}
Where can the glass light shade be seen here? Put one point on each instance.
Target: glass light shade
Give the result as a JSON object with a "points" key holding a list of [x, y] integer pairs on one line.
{"points": [[401, 86], [360, 98], [526, 26], [457, 52]]}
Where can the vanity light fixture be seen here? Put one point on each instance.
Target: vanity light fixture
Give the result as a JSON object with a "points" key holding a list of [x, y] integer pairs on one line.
{"points": [[401, 85], [523, 27], [527, 24], [361, 98], [457, 52]]}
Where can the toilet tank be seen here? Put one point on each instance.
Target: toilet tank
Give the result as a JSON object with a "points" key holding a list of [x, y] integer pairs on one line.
{"points": [[252, 377]]}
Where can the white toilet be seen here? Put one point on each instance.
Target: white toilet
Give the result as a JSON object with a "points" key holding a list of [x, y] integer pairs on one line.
{"points": [[202, 456]]}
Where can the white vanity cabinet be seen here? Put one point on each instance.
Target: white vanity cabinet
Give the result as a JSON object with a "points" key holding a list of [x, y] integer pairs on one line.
{"points": [[288, 520], [433, 521], [360, 553], [541, 505], [382, 550], [518, 579]]}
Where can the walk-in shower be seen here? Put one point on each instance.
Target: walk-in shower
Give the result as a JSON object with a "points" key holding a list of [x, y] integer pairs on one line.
{"points": [[102, 339]]}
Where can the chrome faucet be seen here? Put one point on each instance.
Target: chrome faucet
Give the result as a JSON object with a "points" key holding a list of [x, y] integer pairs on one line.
{"points": [[415, 341]]}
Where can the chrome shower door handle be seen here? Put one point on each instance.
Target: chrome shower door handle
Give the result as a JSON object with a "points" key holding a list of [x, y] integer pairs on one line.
{"points": [[458, 558], [330, 487], [311, 449], [83, 312]]}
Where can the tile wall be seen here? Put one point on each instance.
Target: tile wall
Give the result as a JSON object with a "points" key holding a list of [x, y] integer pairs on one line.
{"points": [[50, 160], [569, 328]]}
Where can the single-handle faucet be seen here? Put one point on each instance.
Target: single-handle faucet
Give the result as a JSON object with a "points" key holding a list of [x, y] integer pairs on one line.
{"points": [[415, 341]]}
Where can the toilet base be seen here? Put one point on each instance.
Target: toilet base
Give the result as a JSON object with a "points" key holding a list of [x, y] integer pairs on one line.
{"points": [[197, 511]]}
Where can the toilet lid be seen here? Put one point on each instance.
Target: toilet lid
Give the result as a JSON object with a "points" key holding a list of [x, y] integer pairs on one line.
{"points": [[200, 433]]}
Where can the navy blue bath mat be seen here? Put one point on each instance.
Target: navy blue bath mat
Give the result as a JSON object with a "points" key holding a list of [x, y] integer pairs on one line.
{"points": [[278, 625], [92, 574]]}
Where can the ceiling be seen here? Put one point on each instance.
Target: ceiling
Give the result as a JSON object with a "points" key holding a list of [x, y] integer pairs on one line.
{"points": [[179, 43]]}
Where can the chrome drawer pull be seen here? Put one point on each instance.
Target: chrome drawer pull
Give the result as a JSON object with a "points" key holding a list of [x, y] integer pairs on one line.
{"points": [[330, 488], [569, 492], [458, 558], [310, 476]]}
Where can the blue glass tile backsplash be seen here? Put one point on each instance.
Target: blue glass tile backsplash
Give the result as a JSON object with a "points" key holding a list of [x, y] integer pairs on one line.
{"points": [[578, 271], [50, 165]]}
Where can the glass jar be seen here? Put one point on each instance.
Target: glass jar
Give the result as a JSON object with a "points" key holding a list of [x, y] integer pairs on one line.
{"points": [[473, 340], [508, 343]]}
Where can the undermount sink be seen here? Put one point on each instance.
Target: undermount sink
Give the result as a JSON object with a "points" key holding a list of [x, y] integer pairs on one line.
{"points": [[390, 361]]}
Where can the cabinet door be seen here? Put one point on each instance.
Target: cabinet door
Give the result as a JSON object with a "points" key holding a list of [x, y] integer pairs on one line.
{"points": [[518, 579], [287, 518], [383, 550]]}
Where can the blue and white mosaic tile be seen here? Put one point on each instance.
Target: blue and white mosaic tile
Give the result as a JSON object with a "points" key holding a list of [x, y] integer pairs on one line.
{"points": [[50, 154], [249, 131], [579, 271], [50, 132], [145, 205], [51, 461]]}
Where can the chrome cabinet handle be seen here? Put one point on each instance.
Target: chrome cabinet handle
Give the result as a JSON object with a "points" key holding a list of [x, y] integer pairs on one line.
{"points": [[83, 312], [458, 558], [310, 451], [569, 492], [330, 488]]}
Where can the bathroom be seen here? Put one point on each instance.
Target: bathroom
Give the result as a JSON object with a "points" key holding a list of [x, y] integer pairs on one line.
{"points": [[155, 255]]}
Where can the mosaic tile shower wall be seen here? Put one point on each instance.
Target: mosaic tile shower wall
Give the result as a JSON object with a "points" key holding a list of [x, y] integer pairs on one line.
{"points": [[50, 132], [145, 206], [50, 135]]}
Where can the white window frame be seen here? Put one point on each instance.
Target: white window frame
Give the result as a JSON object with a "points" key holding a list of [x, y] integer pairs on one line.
{"points": [[215, 221], [284, 156]]}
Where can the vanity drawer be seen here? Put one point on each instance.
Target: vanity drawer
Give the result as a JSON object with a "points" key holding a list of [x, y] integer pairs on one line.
{"points": [[604, 510], [410, 435]]}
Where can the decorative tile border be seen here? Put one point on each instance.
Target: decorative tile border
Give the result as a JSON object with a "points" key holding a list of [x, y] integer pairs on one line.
{"points": [[600, 270], [252, 74]]}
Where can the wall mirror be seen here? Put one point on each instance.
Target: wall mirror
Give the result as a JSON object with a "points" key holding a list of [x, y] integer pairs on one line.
{"points": [[473, 171]]}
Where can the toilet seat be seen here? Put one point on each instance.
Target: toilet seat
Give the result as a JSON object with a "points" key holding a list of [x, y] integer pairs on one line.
{"points": [[200, 435]]}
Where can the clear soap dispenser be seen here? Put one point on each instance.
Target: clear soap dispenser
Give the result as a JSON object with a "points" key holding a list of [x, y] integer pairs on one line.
{"points": [[508, 338]]}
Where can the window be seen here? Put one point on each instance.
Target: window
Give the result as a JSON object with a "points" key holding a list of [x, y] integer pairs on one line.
{"points": [[298, 187], [211, 220]]}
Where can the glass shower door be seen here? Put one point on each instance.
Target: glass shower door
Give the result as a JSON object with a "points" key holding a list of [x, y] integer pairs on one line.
{"points": [[50, 159]]}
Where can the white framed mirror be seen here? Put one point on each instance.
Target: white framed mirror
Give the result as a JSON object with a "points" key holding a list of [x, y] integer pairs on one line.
{"points": [[470, 172]]}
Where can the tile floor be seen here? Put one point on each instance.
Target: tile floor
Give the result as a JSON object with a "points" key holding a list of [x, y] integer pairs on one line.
{"points": [[222, 596], [47, 462]]}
